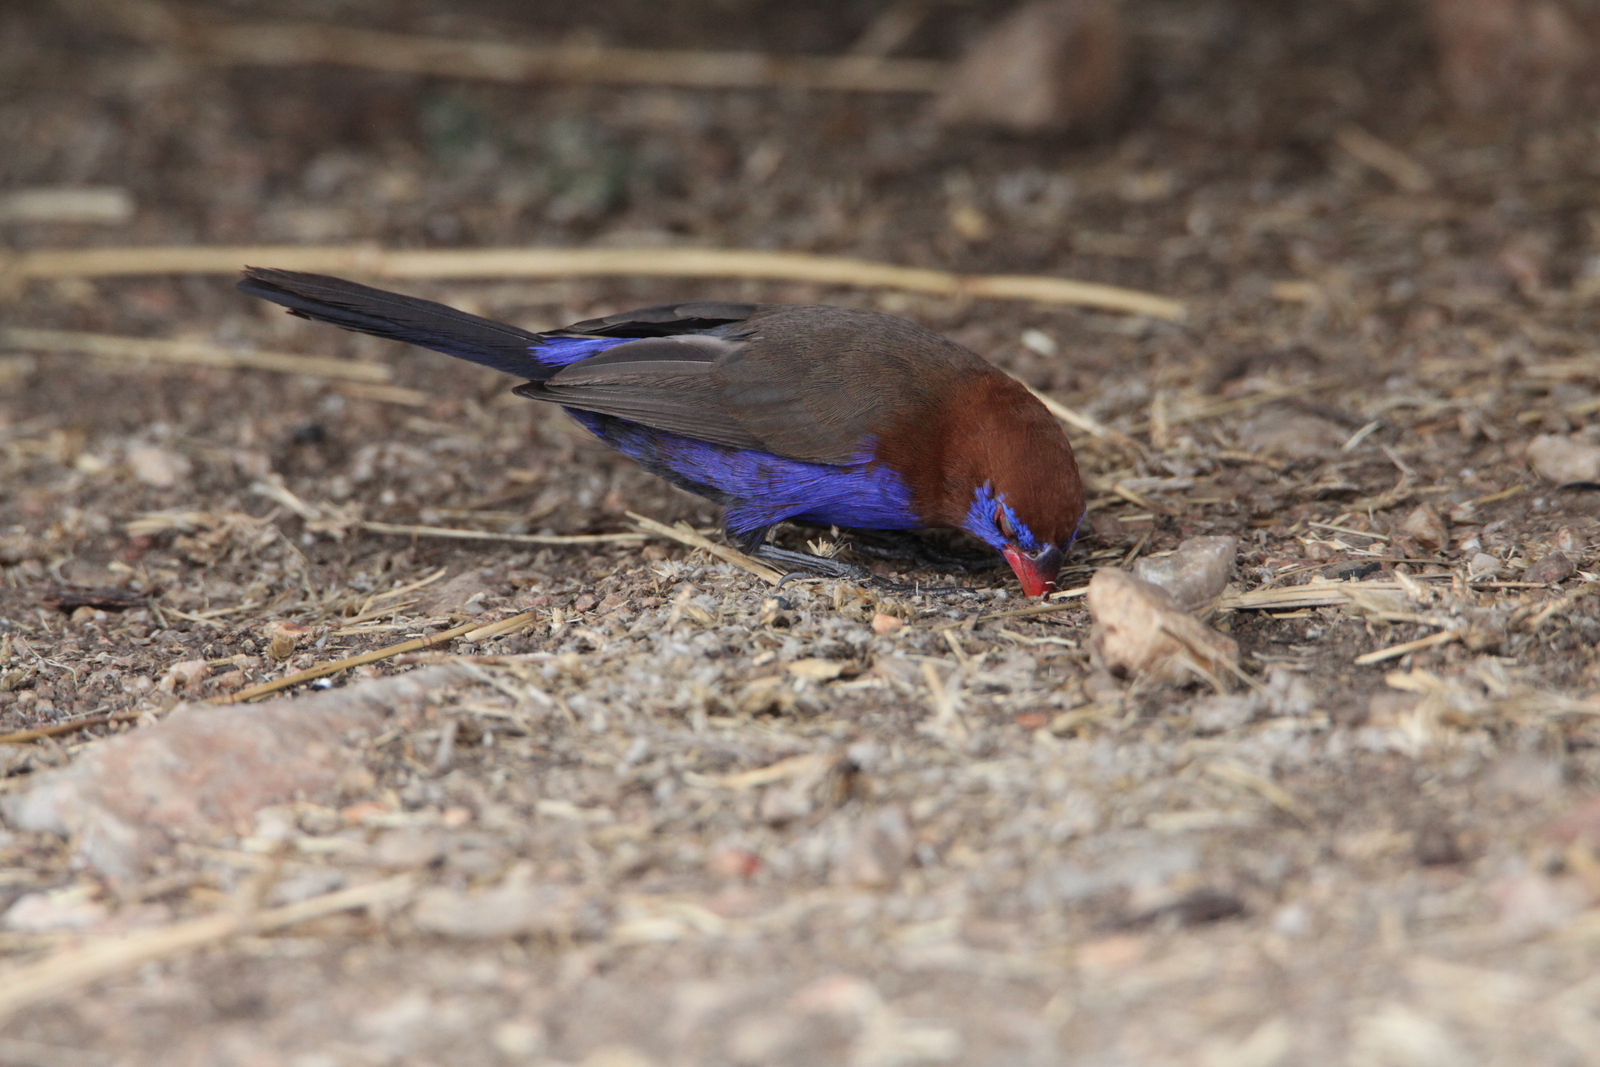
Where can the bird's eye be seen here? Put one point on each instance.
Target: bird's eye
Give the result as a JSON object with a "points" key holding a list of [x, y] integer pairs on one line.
{"points": [[1002, 519]]}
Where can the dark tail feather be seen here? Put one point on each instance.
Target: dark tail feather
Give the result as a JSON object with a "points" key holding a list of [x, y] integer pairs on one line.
{"points": [[401, 318]]}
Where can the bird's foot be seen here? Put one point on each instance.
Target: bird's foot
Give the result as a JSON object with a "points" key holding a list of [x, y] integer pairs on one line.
{"points": [[804, 564]]}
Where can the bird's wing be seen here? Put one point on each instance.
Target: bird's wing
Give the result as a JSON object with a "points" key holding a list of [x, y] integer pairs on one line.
{"points": [[666, 320], [666, 383], [822, 383], [800, 381]]}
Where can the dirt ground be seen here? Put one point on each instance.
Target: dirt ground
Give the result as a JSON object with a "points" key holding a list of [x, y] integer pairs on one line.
{"points": [[679, 819]]}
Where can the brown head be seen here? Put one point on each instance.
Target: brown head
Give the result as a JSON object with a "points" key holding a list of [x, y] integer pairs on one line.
{"points": [[989, 459]]}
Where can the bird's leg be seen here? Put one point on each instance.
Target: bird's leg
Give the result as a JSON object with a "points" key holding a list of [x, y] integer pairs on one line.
{"points": [[794, 564]]}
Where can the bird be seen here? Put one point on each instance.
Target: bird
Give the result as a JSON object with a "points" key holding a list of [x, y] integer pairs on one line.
{"points": [[809, 413]]}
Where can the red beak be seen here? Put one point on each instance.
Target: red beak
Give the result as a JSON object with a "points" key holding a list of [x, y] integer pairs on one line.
{"points": [[1036, 573]]}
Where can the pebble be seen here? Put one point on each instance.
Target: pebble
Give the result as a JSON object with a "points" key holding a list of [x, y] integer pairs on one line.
{"points": [[158, 467], [1049, 66], [1426, 528], [1483, 565], [1564, 460], [1553, 567], [1292, 436], [1196, 573], [1140, 629]]}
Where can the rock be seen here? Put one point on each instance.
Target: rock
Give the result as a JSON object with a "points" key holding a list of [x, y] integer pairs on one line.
{"points": [[161, 468], [1564, 460], [453, 593], [1048, 67], [885, 624], [1426, 528], [1511, 55], [1483, 565], [203, 772], [1292, 436], [1552, 567], [1141, 631], [1570, 543], [1196, 573]]}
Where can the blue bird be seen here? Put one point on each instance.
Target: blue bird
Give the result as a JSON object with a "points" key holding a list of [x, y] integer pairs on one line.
{"points": [[777, 412]]}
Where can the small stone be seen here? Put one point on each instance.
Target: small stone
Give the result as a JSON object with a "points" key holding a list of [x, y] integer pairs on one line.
{"points": [[1426, 528], [519, 1038], [1568, 542], [185, 674], [1292, 436], [816, 670], [1483, 565], [1139, 629], [1196, 573], [1564, 460], [885, 624], [1510, 55], [1049, 66], [229, 680], [160, 468], [1552, 567]]}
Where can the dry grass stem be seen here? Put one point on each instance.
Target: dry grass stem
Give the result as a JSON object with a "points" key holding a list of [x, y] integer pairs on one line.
{"points": [[1383, 157], [299, 44], [60, 729], [408, 530], [193, 353], [1444, 637], [374, 262], [323, 670], [684, 535], [1087, 423]]}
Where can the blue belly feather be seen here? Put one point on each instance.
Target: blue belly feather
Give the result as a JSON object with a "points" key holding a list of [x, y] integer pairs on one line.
{"points": [[759, 489]]}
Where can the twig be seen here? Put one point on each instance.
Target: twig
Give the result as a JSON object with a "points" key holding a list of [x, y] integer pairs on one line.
{"points": [[467, 629], [60, 728], [1087, 423], [1444, 637], [74, 968], [386, 394], [1385, 158], [1040, 609], [194, 353], [484, 535], [294, 44], [1265, 396], [684, 535], [569, 262]]}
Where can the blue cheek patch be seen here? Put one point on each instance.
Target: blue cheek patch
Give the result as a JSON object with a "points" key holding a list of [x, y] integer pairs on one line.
{"points": [[983, 521], [760, 489]]}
